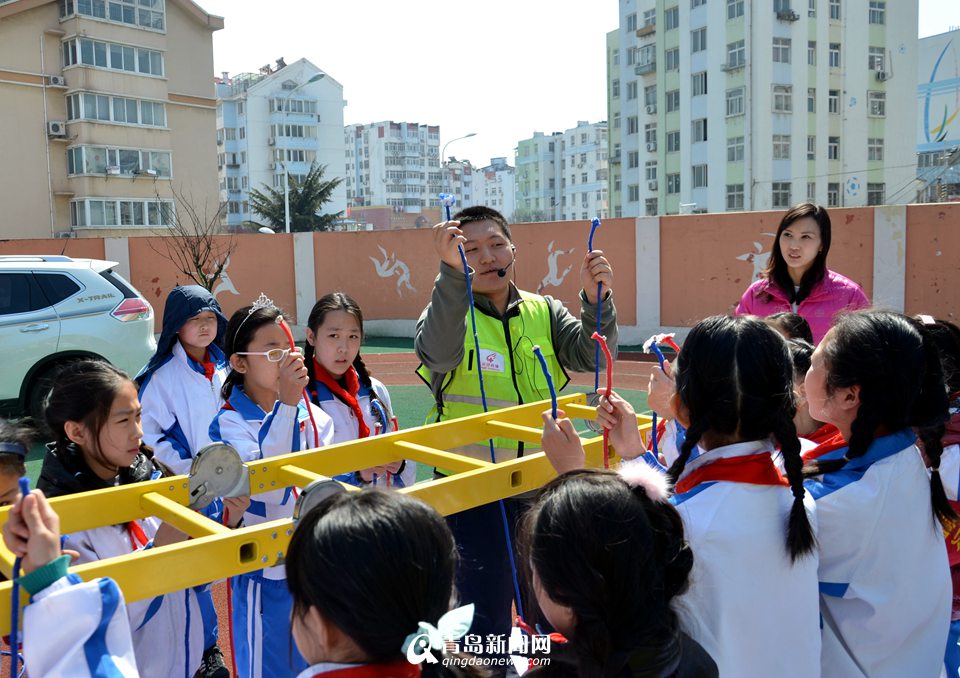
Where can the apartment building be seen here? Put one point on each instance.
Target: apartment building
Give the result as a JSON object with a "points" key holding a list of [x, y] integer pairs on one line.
{"points": [[495, 186], [938, 118], [109, 109], [563, 176], [274, 123], [743, 105], [393, 163]]}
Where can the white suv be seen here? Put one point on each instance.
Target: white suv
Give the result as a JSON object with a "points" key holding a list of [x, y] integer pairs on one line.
{"points": [[55, 309]]}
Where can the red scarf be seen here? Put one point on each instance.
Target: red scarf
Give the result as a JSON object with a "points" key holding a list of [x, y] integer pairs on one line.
{"points": [[136, 534], [209, 368], [396, 669], [829, 444], [755, 469], [822, 434], [348, 395]]}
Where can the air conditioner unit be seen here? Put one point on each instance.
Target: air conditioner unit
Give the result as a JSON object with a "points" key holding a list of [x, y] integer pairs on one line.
{"points": [[56, 128], [272, 141], [273, 165], [652, 185], [56, 81], [651, 146], [65, 234], [651, 109], [882, 76]]}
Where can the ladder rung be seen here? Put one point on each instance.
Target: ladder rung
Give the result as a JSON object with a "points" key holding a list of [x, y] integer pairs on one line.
{"points": [[432, 456], [575, 411], [295, 475], [527, 434], [184, 519]]}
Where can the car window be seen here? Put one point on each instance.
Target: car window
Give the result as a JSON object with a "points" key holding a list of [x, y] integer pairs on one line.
{"points": [[20, 293], [56, 286]]}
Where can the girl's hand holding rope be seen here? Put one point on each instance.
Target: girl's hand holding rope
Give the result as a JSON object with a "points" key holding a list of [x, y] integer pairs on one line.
{"points": [[32, 532], [618, 417], [561, 443], [660, 390]]}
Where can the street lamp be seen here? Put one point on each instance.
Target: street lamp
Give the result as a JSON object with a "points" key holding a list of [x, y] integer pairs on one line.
{"points": [[286, 144], [443, 152]]}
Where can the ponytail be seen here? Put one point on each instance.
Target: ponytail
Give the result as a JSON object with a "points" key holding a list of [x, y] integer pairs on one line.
{"points": [[929, 416], [800, 538]]}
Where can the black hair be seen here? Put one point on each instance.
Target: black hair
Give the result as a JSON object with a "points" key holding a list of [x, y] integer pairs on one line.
{"points": [[375, 564], [335, 301], [895, 362], [243, 324], [735, 378], [800, 353], [21, 434], [482, 213], [946, 336], [616, 558], [84, 392], [777, 272], [791, 325]]}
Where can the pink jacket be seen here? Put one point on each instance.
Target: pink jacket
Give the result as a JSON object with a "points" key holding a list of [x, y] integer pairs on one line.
{"points": [[828, 297]]}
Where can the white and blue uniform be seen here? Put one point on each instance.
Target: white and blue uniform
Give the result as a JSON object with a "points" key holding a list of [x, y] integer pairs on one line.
{"points": [[179, 402], [750, 607], [261, 601], [346, 428], [885, 589]]}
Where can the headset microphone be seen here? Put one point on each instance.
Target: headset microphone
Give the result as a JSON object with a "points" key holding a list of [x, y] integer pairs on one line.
{"points": [[502, 272]]}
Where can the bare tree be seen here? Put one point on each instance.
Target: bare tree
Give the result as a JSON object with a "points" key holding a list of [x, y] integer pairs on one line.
{"points": [[191, 241]]}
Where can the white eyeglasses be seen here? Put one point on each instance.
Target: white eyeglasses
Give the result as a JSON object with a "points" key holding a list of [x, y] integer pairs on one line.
{"points": [[274, 355]]}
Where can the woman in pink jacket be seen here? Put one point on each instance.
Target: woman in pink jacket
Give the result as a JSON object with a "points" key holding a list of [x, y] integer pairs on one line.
{"points": [[797, 278]]}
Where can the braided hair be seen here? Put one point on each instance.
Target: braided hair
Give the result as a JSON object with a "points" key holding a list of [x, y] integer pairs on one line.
{"points": [[735, 378], [335, 301], [895, 362], [617, 558]]}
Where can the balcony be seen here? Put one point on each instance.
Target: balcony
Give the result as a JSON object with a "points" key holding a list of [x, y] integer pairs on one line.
{"points": [[787, 15], [644, 69], [646, 30]]}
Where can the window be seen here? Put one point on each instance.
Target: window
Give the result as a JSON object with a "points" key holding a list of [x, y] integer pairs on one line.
{"points": [[650, 133], [649, 97], [633, 192], [780, 194], [87, 106], [672, 59], [632, 90], [697, 3], [875, 149], [835, 10], [672, 100], [699, 176], [121, 161], [811, 100], [811, 147], [875, 193], [650, 170], [734, 149], [812, 8], [876, 104], [735, 101], [673, 142], [633, 124], [734, 196], [616, 120], [877, 15], [811, 191], [781, 50], [875, 58], [109, 55], [141, 13], [834, 55], [650, 207], [833, 195], [698, 82], [699, 129], [781, 6], [615, 89], [124, 212], [698, 40], [633, 159], [650, 17], [833, 148], [833, 101], [782, 98], [673, 183], [671, 18], [781, 146], [20, 293], [736, 54], [632, 22], [631, 56], [734, 9], [811, 52]]}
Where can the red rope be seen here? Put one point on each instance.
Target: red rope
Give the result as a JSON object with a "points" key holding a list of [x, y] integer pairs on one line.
{"points": [[606, 354], [233, 654], [306, 396]]}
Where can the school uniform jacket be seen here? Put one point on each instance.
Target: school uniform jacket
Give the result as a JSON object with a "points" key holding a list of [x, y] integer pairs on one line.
{"points": [[885, 589], [346, 428], [167, 629], [258, 435], [752, 609], [179, 402]]}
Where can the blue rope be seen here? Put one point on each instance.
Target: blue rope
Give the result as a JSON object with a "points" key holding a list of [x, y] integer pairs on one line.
{"points": [[15, 595], [596, 355], [653, 422], [483, 400], [378, 406], [546, 373]]}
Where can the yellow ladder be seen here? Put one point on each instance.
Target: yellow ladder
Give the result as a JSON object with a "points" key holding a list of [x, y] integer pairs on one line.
{"points": [[215, 551]]}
